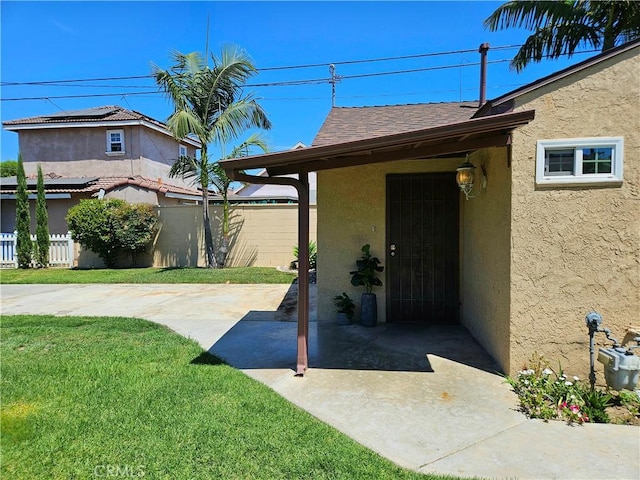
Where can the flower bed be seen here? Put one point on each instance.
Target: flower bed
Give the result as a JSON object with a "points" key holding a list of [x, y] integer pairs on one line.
{"points": [[551, 395]]}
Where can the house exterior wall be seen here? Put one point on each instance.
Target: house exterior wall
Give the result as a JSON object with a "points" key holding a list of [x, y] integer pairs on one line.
{"points": [[56, 209], [81, 152], [351, 213], [261, 235], [575, 249], [484, 256]]}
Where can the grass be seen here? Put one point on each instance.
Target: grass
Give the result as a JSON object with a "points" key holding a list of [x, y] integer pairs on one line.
{"points": [[100, 396], [146, 275]]}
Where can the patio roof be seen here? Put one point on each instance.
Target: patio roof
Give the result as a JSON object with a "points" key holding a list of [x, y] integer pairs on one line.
{"points": [[453, 138], [436, 141]]}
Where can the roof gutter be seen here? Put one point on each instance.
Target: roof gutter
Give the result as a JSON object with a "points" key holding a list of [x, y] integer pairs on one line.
{"points": [[302, 187]]}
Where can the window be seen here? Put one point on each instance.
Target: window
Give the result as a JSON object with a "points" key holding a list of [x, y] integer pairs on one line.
{"points": [[182, 151], [115, 142], [579, 161]]}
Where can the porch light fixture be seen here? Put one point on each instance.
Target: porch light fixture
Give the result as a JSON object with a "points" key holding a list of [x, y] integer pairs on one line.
{"points": [[465, 178]]}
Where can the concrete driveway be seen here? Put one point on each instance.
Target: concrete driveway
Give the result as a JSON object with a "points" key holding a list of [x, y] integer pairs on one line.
{"points": [[426, 399]]}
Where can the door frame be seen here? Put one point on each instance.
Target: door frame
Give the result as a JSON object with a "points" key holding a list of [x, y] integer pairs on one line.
{"points": [[388, 235]]}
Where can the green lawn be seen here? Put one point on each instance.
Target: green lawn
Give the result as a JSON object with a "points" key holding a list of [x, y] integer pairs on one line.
{"points": [[89, 397], [147, 275]]}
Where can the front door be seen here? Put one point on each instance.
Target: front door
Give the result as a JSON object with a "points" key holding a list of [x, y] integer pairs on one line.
{"points": [[422, 248]]}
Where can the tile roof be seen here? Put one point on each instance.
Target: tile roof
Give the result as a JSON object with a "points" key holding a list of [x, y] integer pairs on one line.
{"points": [[56, 184], [346, 124], [97, 115], [113, 113]]}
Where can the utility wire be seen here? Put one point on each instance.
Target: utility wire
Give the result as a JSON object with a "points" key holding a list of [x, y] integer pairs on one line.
{"points": [[315, 81], [288, 67]]}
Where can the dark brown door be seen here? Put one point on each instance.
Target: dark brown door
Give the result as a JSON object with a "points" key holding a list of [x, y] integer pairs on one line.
{"points": [[422, 248]]}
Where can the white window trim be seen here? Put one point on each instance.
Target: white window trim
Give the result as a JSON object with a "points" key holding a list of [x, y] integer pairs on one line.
{"points": [[109, 152], [180, 149], [578, 178]]}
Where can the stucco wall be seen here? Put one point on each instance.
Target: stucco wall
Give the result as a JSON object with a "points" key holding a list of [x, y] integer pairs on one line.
{"points": [[484, 255], [261, 235], [56, 209], [575, 249], [80, 152], [351, 213]]}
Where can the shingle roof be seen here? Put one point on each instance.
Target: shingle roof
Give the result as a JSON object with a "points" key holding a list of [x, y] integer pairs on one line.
{"points": [[346, 124], [93, 185]]}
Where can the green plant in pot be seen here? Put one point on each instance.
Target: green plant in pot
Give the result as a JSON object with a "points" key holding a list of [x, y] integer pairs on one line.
{"points": [[345, 307], [366, 276]]}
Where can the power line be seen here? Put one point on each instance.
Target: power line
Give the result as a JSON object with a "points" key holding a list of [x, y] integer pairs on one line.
{"points": [[315, 81], [288, 67]]}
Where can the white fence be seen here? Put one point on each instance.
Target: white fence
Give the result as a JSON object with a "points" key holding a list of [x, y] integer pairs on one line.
{"points": [[60, 250]]}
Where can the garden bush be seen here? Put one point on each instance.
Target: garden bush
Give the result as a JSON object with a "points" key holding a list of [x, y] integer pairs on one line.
{"points": [[112, 227]]}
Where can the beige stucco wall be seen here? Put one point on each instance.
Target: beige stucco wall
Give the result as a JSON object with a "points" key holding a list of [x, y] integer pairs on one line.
{"points": [[351, 213], [484, 256], [81, 152], [576, 249], [56, 209], [261, 235]]}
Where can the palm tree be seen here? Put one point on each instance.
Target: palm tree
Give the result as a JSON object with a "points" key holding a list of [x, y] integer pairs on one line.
{"points": [[210, 105], [560, 27], [189, 168]]}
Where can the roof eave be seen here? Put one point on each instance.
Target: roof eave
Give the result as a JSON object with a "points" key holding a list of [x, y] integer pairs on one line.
{"points": [[507, 99], [293, 161], [102, 123]]}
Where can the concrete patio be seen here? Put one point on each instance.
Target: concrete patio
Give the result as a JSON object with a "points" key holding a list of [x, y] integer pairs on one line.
{"points": [[427, 399]]}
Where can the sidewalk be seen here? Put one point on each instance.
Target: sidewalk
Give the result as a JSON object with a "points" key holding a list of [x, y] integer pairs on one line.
{"points": [[429, 403]]}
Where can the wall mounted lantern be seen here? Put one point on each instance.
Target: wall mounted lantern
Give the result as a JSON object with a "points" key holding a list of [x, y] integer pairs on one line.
{"points": [[465, 178]]}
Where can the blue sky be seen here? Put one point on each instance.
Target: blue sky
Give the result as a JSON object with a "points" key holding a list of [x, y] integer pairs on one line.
{"points": [[45, 41]]}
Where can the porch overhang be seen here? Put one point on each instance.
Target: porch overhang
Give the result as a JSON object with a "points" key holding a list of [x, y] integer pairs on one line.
{"points": [[455, 138], [446, 140]]}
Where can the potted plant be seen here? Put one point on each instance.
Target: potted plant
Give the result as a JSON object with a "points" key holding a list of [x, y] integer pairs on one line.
{"points": [[345, 307], [365, 275]]}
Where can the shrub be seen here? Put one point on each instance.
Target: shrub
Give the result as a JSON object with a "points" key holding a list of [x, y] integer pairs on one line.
{"points": [[42, 224], [111, 227], [313, 254], [24, 246], [134, 226]]}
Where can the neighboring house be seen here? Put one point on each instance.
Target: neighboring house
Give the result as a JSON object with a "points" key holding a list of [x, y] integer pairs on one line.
{"points": [[63, 193], [253, 193], [554, 233], [109, 152]]}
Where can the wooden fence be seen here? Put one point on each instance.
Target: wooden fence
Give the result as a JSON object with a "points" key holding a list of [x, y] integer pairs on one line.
{"points": [[60, 250]]}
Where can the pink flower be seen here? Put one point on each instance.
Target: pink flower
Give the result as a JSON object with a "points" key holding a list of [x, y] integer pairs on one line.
{"points": [[574, 409], [563, 405]]}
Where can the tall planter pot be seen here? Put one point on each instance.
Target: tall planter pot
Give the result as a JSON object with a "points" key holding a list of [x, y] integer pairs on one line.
{"points": [[368, 310]]}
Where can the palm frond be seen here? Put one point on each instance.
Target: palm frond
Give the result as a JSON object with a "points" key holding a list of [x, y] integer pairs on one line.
{"points": [[533, 15], [186, 167], [218, 176], [237, 117], [553, 42]]}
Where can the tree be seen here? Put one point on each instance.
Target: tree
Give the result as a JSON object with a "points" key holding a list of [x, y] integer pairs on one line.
{"points": [[221, 183], [8, 168], [209, 104], [560, 27], [42, 224], [23, 219]]}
